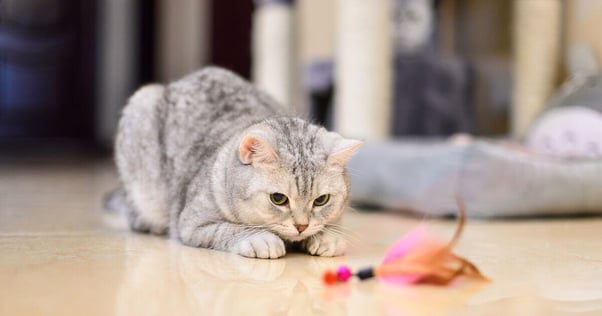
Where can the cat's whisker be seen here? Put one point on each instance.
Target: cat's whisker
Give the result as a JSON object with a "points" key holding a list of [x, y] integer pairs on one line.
{"points": [[350, 240], [343, 233], [336, 225], [344, 230], [252, 233], [355, 172], [353, 209]]}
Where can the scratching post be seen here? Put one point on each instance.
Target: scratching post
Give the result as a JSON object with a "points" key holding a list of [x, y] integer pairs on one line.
{"points": [[183, 34], [274, 49], [363, 69], [537, 50]]}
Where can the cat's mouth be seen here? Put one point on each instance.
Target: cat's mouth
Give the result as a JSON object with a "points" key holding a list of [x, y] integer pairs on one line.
{"points": [[298, 236]]}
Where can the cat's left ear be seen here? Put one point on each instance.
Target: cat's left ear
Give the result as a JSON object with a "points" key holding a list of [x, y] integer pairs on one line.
{"points": [[254, 149], [343, 151]]}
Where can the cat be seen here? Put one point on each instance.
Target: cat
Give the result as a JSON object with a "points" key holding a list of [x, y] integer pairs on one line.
{"points": [[216, 163]]}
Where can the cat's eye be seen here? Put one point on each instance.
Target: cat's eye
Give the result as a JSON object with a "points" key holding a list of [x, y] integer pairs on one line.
{"points": [[278, 199], [322, 200]]}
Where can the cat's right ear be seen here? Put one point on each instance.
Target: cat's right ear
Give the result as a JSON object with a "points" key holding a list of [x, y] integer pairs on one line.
{"points": [[343, 151], [253, 149]]}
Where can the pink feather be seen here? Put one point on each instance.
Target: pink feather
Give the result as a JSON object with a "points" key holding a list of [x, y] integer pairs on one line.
{"points": [[403, 246], [420, 258], [417, 258]]}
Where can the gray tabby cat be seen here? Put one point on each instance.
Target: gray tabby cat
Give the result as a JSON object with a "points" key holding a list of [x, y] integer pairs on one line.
{"points": [[220, 165]]}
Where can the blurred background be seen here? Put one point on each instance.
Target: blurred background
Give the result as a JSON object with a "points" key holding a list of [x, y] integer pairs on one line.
{"points": [[496, 101], [375, 70]]}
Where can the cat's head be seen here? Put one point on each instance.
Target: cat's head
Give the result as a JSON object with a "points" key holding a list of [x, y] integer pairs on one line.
{"points": [[289, 177]]}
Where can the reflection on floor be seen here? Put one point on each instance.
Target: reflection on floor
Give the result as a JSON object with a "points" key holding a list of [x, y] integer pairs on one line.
{"points": [[60, 254]]}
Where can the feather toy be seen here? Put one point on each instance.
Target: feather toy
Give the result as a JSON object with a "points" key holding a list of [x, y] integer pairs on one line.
{"points": [[417, 258]]}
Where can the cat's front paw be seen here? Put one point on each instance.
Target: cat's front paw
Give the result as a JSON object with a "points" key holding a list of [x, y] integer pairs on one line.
{"points": [[326, 245], [263, 245], [141, 225]]}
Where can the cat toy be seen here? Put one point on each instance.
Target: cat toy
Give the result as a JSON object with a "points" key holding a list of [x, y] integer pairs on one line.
{"points": [[417, 258]]}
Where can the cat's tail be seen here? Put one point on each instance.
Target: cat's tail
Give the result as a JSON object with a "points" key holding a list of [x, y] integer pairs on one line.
{"points": [[115, 201]]}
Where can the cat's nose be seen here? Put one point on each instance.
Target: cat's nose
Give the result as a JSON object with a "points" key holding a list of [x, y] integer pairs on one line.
{"points": [[300, 228]]}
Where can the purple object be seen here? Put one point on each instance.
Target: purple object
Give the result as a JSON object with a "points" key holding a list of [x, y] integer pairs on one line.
{"points": [[343, 273]]}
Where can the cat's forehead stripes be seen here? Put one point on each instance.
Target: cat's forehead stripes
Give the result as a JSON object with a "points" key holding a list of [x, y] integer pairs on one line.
{"points": [[298, 146]]}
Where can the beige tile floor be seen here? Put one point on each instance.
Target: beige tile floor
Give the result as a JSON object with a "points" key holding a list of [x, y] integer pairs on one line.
{"points": [[60, 254]]}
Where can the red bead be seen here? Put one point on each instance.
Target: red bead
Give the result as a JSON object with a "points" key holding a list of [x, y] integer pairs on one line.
{"points": [[329, 277], [343, 273]]}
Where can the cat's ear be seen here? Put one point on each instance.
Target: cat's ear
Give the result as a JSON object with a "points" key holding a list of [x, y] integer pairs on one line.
{"points": [[343, 151], [254, 149]]}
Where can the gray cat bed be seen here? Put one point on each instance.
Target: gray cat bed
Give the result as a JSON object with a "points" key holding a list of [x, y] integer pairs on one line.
{"points": [[494, 179]]}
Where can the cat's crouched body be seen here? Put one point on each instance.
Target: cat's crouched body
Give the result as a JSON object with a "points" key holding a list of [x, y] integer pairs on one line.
{"points": [[218, 164]]}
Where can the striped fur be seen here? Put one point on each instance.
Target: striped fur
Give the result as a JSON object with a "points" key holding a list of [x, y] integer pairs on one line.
{"points": [[178, 154]]}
